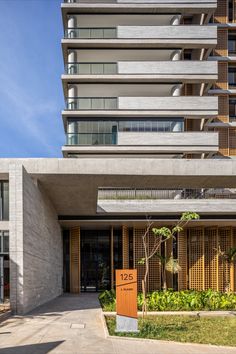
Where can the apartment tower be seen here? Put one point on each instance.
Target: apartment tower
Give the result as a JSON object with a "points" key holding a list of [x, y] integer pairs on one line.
{"points": [[150, 133]]}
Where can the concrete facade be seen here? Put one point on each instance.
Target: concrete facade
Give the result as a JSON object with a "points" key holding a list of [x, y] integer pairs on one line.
{"points": [[35, 244]]}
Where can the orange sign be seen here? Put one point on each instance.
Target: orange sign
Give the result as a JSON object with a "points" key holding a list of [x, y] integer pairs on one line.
{"points": [[126, 292]]}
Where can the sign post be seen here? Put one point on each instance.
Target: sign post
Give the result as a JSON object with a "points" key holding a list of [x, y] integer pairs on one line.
{"points": [[126, 300]]}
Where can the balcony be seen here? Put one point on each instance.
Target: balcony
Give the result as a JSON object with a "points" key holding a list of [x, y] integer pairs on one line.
{"points": [[147, 71], [181, 36], [123, 143], [204, 200], [191, 106], [137, 6]]}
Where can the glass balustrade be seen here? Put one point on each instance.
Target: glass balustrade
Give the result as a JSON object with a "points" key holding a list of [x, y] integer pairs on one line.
{"points": [[92, 33], [91, 68], [176, 194], [92, 139], [87, 103]]}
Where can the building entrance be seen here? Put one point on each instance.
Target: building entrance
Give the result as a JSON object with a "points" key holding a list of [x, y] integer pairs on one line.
{"points": [[95, 260]]}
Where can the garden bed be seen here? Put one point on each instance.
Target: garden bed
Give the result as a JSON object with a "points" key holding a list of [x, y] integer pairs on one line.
{"points": [[186, 300], [185, 329]]}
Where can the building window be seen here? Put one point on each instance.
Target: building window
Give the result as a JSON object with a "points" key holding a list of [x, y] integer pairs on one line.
{"points": [[232, 76], [4, 242], [4, 200], [232, 109], [105, 132], [230, 11], [232, 43]]}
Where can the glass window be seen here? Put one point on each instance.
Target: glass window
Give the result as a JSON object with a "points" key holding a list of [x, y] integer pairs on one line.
{"points": [[232, 108], [232, 76], [110, 68], [4, 200], [232, 43], [4, 241]]}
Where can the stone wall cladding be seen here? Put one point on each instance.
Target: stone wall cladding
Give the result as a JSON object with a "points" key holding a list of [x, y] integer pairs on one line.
{"points": [[37, 265]]}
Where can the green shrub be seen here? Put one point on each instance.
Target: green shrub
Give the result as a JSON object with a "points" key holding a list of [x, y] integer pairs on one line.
{"points": [[185, 300]]}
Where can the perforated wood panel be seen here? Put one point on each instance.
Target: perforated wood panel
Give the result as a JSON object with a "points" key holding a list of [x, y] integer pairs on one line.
{"points": [[210, 257], [196, 258], [223, 112], [154, 279], [169, 251], [222, 81], [221, 13], [223, 140], [125, 247], [183, 260], [224, 269], [234, 264], [75, 260], [232, 141], [138, 254]]}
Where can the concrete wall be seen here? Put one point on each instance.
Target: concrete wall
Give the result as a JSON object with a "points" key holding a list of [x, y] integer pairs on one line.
{"points": [[182, 103], [168, 139], [35, 244], [168, 67], [168, 32], [115, 90], [114, 55], [111, 20]]}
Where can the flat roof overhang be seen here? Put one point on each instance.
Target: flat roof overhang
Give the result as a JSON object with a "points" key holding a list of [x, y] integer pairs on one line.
{"points": [[160, 7], [72, 184]]}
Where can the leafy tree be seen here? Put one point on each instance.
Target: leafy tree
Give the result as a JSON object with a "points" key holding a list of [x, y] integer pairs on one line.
{"points": [[161, 235]]}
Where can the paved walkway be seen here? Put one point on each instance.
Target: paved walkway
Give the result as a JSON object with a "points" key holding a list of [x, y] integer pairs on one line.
{"points": [[72, 324]]}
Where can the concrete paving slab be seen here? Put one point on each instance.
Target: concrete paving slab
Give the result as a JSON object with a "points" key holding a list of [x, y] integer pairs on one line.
{"points": [[56, 328]]}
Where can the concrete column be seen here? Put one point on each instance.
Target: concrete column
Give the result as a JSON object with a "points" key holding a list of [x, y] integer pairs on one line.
{"points": [[71, 24], [176, 55], [175, 21], [176, 90], [72, 58], [72, 93]]}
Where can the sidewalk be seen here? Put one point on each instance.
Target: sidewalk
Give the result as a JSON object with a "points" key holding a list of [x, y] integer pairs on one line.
{"points": [[73, 324]]}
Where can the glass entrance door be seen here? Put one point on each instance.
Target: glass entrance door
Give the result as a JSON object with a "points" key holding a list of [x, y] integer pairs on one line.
{"points": [[95, 260]]}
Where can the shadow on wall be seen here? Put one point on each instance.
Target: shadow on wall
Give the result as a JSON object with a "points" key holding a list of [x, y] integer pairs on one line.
{"points": [[40, 348]]}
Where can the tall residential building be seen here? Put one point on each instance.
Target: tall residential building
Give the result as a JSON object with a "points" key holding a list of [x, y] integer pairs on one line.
{"points": [[150, 133]]}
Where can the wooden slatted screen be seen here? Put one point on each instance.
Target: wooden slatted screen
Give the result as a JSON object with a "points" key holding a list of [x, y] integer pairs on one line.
{"points": [[183, 260], [221, 13], [75, 260], [223, 140], [225, 244], [211, 261], [154, 279], [232, 141], [138, 254], [125, 247], [169, 251], [196, 258]]}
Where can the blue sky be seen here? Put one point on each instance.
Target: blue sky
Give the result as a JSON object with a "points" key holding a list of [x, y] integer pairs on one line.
{"points": [[31, 64]]}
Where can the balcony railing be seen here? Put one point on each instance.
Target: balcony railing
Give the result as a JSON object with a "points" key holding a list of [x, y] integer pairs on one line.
{"points": [[91, 68], [103, 103], [92, 139], [92, 33], [174, 194]]}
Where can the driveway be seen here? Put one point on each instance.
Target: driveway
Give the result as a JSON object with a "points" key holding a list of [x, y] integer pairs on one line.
{"points": [[72, 324]]}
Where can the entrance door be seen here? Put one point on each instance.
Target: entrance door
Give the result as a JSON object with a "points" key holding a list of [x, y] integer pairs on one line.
{"points": [[1, 280], [95, 260]]}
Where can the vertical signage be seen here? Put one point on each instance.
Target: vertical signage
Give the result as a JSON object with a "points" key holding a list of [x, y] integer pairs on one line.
{"points": [[126, 300]]}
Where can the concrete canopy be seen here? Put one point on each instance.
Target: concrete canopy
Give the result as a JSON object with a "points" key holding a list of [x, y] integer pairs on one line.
{"points": [[72, 184]]}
